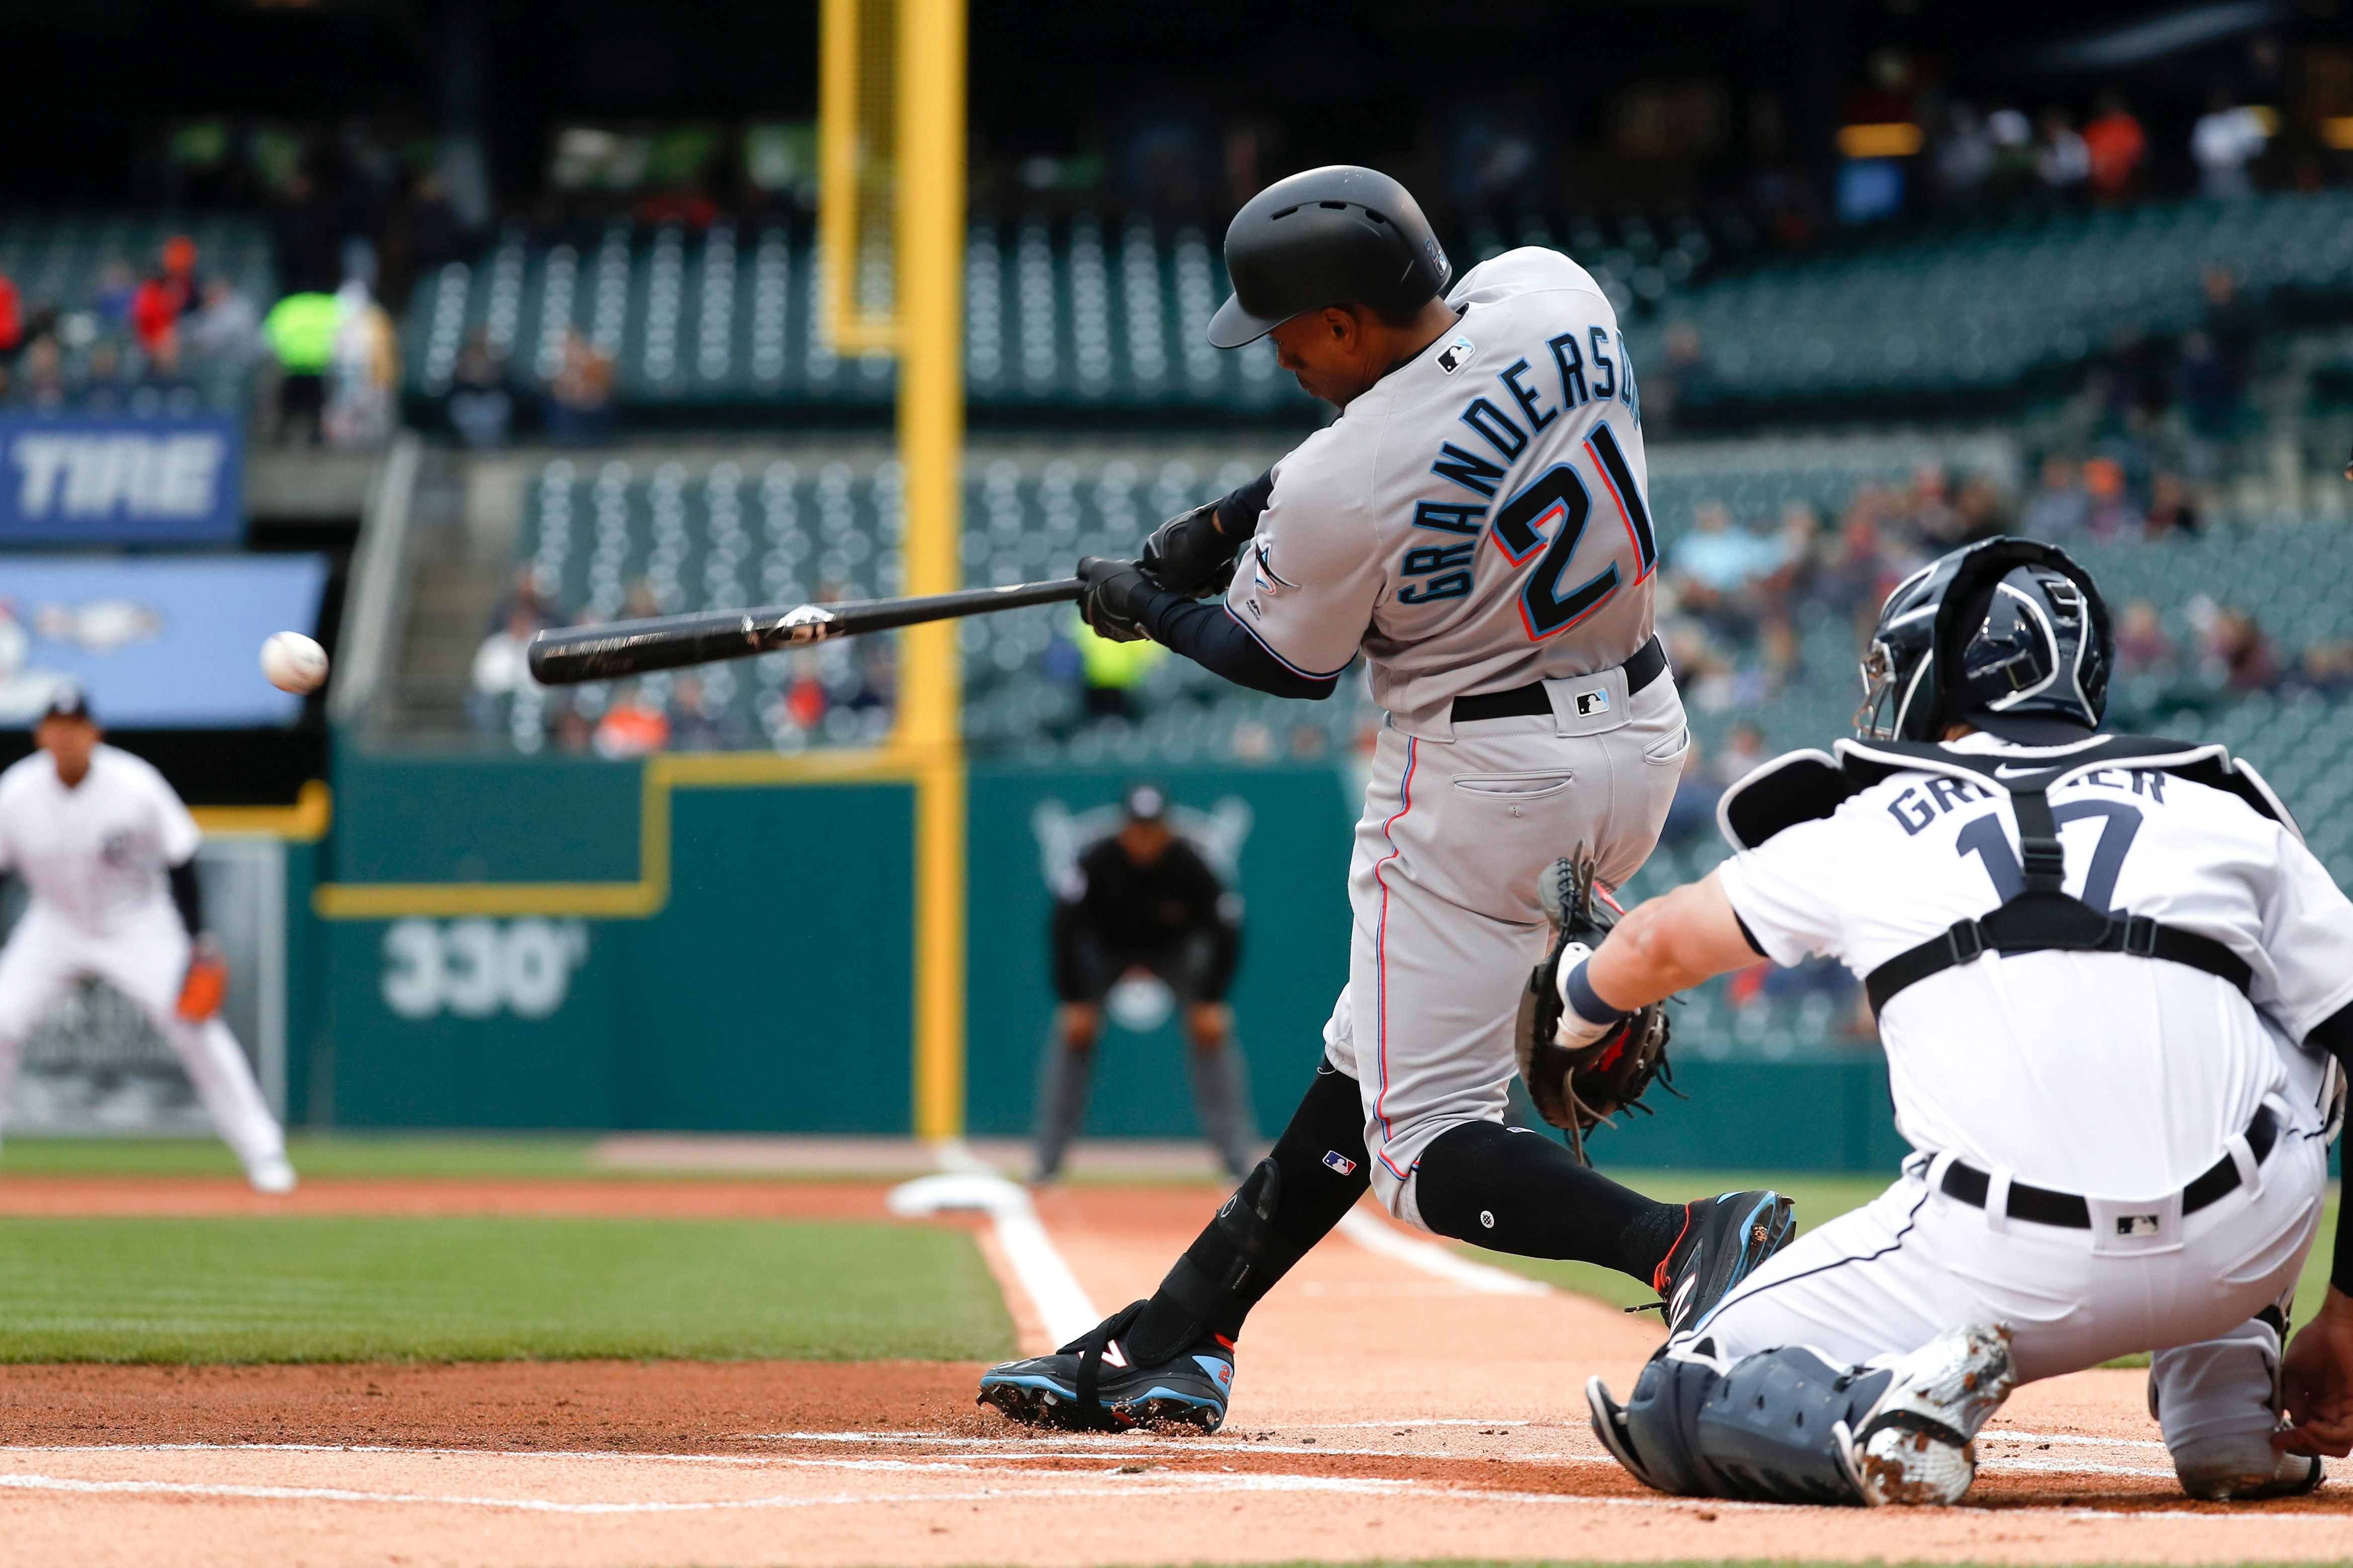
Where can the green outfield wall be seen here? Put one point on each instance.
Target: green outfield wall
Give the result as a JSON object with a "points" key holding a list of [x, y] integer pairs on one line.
{"points": [[768, 990]]}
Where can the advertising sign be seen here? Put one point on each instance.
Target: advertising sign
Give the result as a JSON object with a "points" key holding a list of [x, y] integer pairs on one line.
{"points": [[158, 641], [67, 479]]}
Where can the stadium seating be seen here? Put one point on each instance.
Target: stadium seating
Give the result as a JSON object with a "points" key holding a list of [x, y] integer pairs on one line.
{"points": [[726, 537], [1106, 314], [1091, 317], [1987, 308], [60, 261]]}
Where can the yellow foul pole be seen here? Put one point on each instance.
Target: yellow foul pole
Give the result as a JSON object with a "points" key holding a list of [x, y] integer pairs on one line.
{"points": [[930, 310]]}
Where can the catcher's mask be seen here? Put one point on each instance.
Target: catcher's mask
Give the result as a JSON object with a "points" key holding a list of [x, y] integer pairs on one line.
{"points": [[2009, 634]]}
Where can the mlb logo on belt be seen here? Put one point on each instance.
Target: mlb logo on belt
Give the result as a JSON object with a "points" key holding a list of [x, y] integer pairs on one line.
{"points": [[1340, 1163], [2136, 1225], [1588, 703]]}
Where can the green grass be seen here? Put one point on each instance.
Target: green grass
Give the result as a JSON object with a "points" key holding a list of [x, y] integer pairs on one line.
{"points": [[309, 1288], [314, 1154], [1818, 1198]]}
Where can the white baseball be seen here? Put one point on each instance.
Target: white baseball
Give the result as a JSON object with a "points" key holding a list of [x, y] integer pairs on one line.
{"points": [[292, 662]]}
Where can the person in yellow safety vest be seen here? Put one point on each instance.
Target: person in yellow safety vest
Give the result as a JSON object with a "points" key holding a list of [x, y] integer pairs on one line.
{"points": [[300, 331], [1110, 671]]}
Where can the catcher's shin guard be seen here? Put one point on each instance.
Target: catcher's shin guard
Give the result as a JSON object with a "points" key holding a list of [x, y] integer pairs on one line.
{"points": [[1765, 1428]]}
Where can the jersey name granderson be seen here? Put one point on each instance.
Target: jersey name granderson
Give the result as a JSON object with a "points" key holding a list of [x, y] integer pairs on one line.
{"points": [[1478, 519]]}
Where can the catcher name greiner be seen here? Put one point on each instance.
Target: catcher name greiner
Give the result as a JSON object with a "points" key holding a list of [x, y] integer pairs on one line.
{"points": [[2111, 979]]}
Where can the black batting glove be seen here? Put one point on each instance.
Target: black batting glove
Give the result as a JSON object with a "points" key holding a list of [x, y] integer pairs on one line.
{"points": [[1114, 601], [1190, 554]]}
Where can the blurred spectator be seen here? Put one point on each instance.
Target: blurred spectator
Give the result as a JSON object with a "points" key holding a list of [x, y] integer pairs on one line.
{"points": [[1743, 753], [105, 389], [2011, 136], [702, 725], [1680, 380], [2208, 386], [527, 599], [164, 386], [2326, 668], [1932, 519], [1965, 155], [2115, 145], [1691, 816], [1863, 567], [40, 375], [1715, 568], [158, 303], [1977, 511], [367, 370], [2226, 139], [2109, 514], [580, 397], [634, 726], [481, 410], [224, 329], [1109, 672], [2239, 653], [12, 319], [573, 732], [110, 301], [2142, 647], [300, 331], [2061, 160], [2169, 511], [2058, 508], [2234, 326], [500, 668]]}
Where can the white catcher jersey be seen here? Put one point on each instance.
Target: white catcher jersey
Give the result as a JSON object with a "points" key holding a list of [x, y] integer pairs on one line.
{"points": [[2103, 1074], [95, 854], [1478, 519]]}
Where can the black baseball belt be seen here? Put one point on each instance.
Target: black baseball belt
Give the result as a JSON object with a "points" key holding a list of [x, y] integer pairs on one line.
{"points": [[1966, 1182], [1649, 663]]}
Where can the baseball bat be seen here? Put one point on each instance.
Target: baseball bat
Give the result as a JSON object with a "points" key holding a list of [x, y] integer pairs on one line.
{"points": [[617, 648]]}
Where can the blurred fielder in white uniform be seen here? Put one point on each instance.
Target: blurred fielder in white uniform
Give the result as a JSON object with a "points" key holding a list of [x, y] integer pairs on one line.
{"points": [[2111, 979], [109, 852]]}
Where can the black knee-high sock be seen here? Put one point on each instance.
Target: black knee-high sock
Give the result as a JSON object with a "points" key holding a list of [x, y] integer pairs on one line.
{"points": [[1517, 1191], [1315, 1173]]}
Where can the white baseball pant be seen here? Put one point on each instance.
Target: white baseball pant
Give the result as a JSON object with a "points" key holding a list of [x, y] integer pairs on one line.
{"points": [[1443, 891], [146, 962]]}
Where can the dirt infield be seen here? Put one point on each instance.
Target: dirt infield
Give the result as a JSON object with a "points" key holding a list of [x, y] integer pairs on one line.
{"points": [[1382, 1411]]}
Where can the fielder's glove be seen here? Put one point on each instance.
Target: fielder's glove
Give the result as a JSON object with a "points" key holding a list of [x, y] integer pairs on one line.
{"points": [[1115, 597], [1578, 1075], [205, 982], [1190, 554]]}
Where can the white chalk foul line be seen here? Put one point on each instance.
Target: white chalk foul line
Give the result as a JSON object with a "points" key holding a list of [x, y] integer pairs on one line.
{"points": [[1063, 1308], [1376, 1235]]}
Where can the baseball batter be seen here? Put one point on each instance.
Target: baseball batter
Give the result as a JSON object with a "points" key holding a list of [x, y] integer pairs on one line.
{"points": [[2111, 981], [1474, 525], [109, 852]]}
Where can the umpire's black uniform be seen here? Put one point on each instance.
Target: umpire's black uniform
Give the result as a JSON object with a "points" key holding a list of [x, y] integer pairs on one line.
{"points": [[1143, 898]]}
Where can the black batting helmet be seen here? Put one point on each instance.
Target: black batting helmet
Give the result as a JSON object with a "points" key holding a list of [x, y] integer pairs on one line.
{"points": [[1334, 235], [2006, 634]]}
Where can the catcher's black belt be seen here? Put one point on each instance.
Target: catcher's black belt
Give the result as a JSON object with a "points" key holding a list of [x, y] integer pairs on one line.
{"points": [[1649, 663], [1969, 1184], [1966, 940]]}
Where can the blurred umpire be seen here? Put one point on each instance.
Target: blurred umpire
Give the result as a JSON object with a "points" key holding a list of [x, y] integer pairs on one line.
{"points": [[1140, 901]]}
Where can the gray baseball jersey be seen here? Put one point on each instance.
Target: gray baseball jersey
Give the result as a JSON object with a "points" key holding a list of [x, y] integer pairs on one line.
{"points": [[1478, 519]]}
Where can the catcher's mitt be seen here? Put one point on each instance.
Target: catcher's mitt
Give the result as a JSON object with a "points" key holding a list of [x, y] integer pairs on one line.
{"points": [[1577, 1091]]}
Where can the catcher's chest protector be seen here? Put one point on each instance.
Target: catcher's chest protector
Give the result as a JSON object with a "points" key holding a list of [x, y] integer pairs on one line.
{"points": [[2039, 916]]}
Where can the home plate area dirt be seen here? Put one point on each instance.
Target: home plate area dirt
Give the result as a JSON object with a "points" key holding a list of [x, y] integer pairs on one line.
{"points": [[1382, 1412]]}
